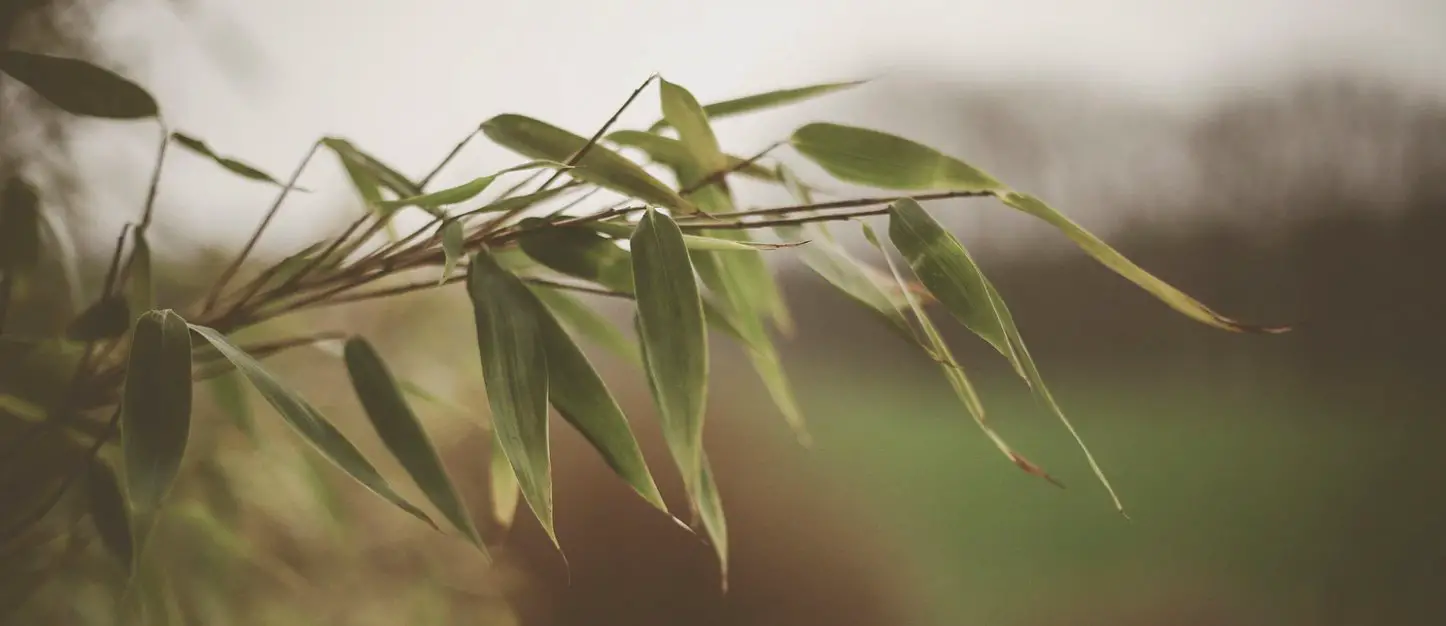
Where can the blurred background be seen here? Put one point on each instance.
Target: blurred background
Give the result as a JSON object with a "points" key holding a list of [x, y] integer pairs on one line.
{"points": [[1282, 160]]}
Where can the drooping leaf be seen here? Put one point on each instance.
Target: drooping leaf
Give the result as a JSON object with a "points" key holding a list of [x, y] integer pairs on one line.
{"points": [[684, 114], [515, 373], [762, 101], [107, 318], [155, 415], [231, 165], [945, 267], [940, 352], [140, 292], [78, 87], [601, 166], [1108, 257], [503, 484], [878, 159], [670, 314], [109, 513], [19, 227], [671, 152], [713, 243], [465, 191], [362, 177], [587, 322], [453, 240], [386, 175], [231, 398], [402, 433], [310, 423], [851, 276]]}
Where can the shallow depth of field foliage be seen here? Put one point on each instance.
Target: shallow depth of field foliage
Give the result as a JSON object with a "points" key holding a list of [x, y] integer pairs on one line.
{"points": [[97, 417]]}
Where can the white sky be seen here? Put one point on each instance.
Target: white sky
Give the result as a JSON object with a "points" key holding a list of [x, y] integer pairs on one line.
{"points": [[261, 79]]}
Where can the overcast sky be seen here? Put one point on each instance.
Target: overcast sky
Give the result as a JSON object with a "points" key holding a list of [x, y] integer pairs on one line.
{"points": [[262, 79]]}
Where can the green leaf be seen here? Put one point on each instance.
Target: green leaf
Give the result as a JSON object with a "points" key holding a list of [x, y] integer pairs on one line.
{"points": [[108, 512], [682, 111], [601, 166], [698, 242], [140, 292], [362, 177], [310, 423], [231, 165], [78, 87], [453, 240], [940, 352], [945, 267], [518, 203], [503, 484], [670, 314], [107, 318], [671, 152], [399, 429], [852, 276], [877, 159], [155, 415], [586, 321], [1108, 257], [582, 253], [19, 227], [768, 100], [464, 192], [585, 402], [231, 398], [515, 373]]}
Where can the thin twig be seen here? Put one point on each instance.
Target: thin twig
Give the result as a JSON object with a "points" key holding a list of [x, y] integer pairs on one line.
{"points": [[155, 185], [848, 204], [235, 266], [448, 159], [115, 260]]}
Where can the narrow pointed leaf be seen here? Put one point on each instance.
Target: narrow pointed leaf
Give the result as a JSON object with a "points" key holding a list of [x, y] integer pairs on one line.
{"points": [[140, 292], [363, 178], [768, 100], [684, 114], [232, 165], [601, 166], [515, 372], [19, 227], [464, 192], [226, 390], [388, 177], [109, 513], [453, 240], [503, 482], [310, 424], [670, 314], [155, 415], [699, 242], [877, 159], [518, 203], [945, 267], [671, 152], [587, 322], [851, 276], [954, 373], [78, 87], [107, 318], [1108, 257], [582, 253], [403, 435]]}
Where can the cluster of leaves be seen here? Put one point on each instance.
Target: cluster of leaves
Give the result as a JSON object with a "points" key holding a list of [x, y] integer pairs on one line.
{"points": [[686, 255]]}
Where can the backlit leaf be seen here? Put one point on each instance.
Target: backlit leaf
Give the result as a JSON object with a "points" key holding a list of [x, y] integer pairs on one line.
{"points": [[671, 152], [453, 240], [670, 318], [232, 165], [155, 415], [107, 318], [768, 100], [108, 512], [78, 87], [402, 433], [464, 192], [1108, 257], [310, 423], [515, 372], [601, 166], [503, 484], [877, 159]]}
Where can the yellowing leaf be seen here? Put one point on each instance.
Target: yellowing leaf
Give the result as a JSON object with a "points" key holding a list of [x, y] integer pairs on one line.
{"points": [[601, 166], [78, 87], [310, 424], [1108, 257], [877, 159], [768, 100], [464, 192], [515, 372], [673, 153], [402, 433], [155, 415], [670, 319]]}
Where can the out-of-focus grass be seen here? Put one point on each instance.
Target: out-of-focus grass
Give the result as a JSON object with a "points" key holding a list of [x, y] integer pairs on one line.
{"points": [[1261, 504]]}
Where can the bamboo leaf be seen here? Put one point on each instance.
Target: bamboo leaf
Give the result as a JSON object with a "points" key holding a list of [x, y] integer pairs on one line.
{"points": [[453, 240], [464, 192], [231, 165], [155, 415], [310, 424], [958, 380], [140, 292], [945, 267], [1108, 257], [582, 253], [672, 153], [107, 318], [19, 227], [684, 114], [712, 243], [762, 101], [518, 203], [851, 276], [108, 512], [670, 318], [515, 372], [78, 87], [601, 166], [586, 321], [402, 433], [877, 159], [503, 482], [231, 398]]}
